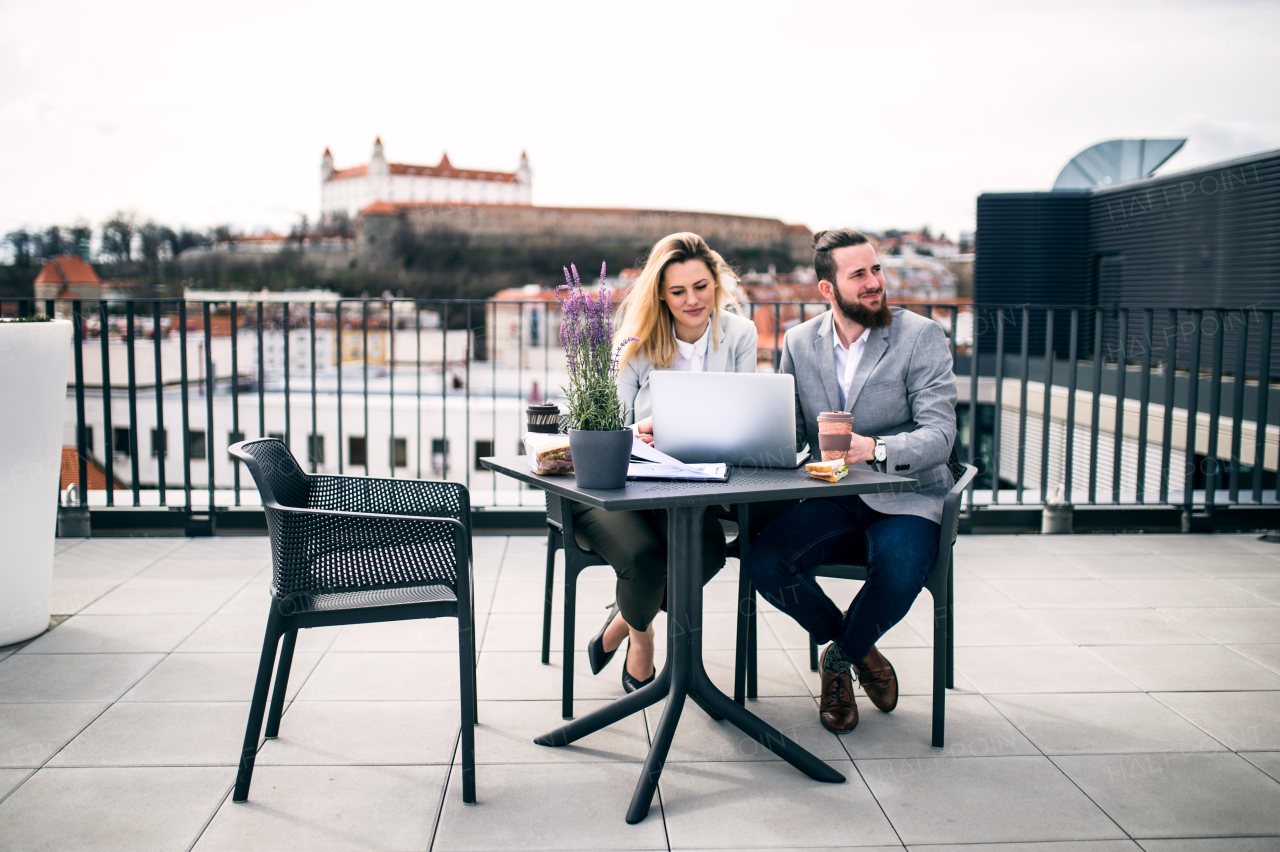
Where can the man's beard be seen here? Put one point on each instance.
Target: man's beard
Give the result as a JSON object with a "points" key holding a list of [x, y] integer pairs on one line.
{"points": [[882, 317]]}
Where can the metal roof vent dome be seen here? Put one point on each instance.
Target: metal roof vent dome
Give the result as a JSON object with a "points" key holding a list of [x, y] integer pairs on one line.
{"points": [[1117, 161]]}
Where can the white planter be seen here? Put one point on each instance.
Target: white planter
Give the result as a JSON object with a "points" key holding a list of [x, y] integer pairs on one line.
{"points": [[33, 393]]}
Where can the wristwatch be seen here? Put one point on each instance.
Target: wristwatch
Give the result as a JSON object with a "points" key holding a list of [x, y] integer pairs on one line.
{"points": [[881, 452]]}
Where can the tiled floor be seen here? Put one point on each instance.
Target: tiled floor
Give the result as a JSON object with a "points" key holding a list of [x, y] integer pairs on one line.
{"points": [[1113, 693]]}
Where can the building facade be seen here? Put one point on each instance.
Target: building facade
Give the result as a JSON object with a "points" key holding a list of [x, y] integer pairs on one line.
{"points": [[346, 192]]}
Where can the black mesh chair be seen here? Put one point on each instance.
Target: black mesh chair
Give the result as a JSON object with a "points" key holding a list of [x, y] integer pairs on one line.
{"points": [[940, 583], [354, 550]]}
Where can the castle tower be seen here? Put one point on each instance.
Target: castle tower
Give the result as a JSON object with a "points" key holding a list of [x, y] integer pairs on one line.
{"points": [[523, 173], [378, 163], [326, 166]]}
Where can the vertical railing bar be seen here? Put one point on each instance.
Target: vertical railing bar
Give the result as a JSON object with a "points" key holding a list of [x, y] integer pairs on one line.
{"points": [[315, 438], [975, 422], [444, 388], [777, 331], [1215, 410], [1144, 395], [186, 414], [1193, 404], [1069, 451], [133, 401], [1095, 424], [82, 448], [997, 430], [491, 344], [955, 328], [1260, 436], [108, 437], [417, 331], [288, 370], [210, 385], [1237, 405], [466, 431], [1047, 413], [391, 385], [546, 354], [1170, 382], [162, 436], [262, 381], [1122, 373], [235, 396], [520, 397], [337, 324], [1022, 404], [364, 372]]}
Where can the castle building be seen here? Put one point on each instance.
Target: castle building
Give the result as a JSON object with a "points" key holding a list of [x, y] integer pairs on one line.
{"points": [[348, 191]]}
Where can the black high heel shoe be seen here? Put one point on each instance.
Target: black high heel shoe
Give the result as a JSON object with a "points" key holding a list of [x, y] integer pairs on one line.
{"points": [[629, 683], [597, 656]]}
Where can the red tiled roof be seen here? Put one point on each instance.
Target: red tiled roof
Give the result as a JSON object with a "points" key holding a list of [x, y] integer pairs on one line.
{"points": [[354, 171], [67, 269], [444, 169], [381, 208], [97, 478]]}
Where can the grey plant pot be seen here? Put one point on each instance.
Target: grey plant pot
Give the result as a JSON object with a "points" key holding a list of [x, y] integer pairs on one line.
{"points": [[600, 458]]}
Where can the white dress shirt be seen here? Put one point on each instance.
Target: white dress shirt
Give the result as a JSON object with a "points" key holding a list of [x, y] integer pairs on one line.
{"points": [[846, 362], [692, 357]]}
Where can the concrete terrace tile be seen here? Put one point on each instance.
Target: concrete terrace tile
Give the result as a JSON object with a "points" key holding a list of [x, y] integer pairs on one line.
{"points": [[11, 778], [1051, 846], [520, 676], [740, 805], [164, 598], [30, 733], [973, 729], [99, 809], [212, 677], [383, 677], [982, 627], [521, 596], [252, 597], [224, 547], [1104, 566], [998, 545], [1193, 543], [139, 548], [205, 569], [1061, 594], [1120, 627], [115, 634], [777, 672], [789, 634], [244, 632], [699, 739], [68, 569], [1267, 761], [419, 634], [1086, 543], [507, 730], [914, 667], [1179, 795], [69, 598], [327, 808], [363, 732], [1267, 655], [1038, 669], [1213, 844], [1266, 588], [1233, 625], [1203, 593], [1191, 668], [1242, 721], [1255, 566], [160, 734], [995, 566], [977, 594], [548, 807], [61, 545], [95, 678], [1101, 724], [983, 800]]}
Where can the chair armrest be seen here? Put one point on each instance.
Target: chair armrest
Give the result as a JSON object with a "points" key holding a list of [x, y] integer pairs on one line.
{"points": [[326, 549], [399, 497]]}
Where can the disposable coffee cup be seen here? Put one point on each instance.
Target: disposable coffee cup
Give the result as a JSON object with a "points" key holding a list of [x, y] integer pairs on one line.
{"points": [[543, 417], [835, 433]]}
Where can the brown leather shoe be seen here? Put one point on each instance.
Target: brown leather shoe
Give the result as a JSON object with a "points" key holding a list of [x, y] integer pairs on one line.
{"points": [[878, 680], [837, 709]]}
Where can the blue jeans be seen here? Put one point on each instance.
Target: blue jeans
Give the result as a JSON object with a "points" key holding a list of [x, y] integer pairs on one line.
{"points": [[898, 551]]}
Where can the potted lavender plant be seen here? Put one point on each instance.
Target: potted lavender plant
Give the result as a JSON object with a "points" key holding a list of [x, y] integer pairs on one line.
{"points": [[599, 440]]}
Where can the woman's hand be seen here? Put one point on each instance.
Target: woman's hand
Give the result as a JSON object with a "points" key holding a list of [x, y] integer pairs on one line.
{"points": [[644, 430]]}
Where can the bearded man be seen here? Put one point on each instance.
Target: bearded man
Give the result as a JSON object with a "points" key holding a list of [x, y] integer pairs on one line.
{"points": [[891, 369]]}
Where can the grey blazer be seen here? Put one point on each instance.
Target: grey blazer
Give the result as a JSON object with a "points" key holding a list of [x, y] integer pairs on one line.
{"points": [[903, 392], [736, 353]]}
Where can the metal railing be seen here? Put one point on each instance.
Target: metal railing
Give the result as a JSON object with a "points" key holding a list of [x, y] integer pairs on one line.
{"points": [[1133, 415]]}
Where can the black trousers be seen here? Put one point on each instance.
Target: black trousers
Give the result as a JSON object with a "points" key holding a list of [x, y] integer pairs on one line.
{"points": [[635, 544]]}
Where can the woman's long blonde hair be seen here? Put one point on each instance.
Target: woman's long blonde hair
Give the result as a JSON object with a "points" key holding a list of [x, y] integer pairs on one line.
{"points": [[648, 319]]}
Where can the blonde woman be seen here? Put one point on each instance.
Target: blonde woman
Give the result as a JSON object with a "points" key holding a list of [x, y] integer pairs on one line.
{"points": [[679, 312]]}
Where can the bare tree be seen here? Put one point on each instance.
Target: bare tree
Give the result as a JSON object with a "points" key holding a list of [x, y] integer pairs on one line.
{"points": [[158, 241], [117, 236], [20, 242]]}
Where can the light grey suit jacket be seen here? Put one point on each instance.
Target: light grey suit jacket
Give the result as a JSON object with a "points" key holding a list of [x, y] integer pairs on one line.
{"points": [[736, 353], [903, 392]]}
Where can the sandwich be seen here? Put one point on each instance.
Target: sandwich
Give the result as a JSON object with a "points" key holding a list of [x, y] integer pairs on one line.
{"points": [[828, 471], [553, 456]]}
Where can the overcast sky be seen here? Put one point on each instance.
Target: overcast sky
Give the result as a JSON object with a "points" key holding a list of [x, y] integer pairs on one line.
{"points": [[874, 115]]}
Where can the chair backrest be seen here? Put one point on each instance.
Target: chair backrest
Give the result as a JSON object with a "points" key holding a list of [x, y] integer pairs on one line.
{"points": [[275, 471]]}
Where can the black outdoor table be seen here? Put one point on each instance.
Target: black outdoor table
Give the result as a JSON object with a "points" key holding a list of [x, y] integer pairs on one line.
{"points": [[683, 674]]}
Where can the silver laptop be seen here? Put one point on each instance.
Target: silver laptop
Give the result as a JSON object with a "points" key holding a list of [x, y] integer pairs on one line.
{"points": [[746, 419]]}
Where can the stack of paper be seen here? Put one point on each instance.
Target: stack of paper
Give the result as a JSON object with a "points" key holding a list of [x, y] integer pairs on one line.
{"points": [[659, 465]]}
